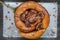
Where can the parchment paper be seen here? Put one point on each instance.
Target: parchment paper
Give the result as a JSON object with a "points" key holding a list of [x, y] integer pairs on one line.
{"points": [[10, 30]]}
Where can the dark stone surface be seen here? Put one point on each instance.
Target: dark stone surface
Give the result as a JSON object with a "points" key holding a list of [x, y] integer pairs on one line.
{"points": [[1, 21]]}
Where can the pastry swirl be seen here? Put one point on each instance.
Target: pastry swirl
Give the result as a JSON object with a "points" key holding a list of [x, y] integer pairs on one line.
{"points": [[31, 19]]}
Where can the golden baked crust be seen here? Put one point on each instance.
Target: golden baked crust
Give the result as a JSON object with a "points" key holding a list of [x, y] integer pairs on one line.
{"points": [[19, 24]]}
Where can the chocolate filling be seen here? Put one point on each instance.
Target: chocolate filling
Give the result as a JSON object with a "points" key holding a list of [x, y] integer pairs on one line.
{"points": [[33, 17]]}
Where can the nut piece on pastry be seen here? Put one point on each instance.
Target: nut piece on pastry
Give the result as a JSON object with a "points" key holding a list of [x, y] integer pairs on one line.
{"points": [[32, 19]]}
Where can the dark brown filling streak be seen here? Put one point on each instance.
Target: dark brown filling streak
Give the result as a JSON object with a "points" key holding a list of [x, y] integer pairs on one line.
{"points": [[33, 17]]}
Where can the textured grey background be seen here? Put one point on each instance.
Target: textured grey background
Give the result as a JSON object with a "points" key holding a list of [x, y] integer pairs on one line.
{"points": [[1, 20]]}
